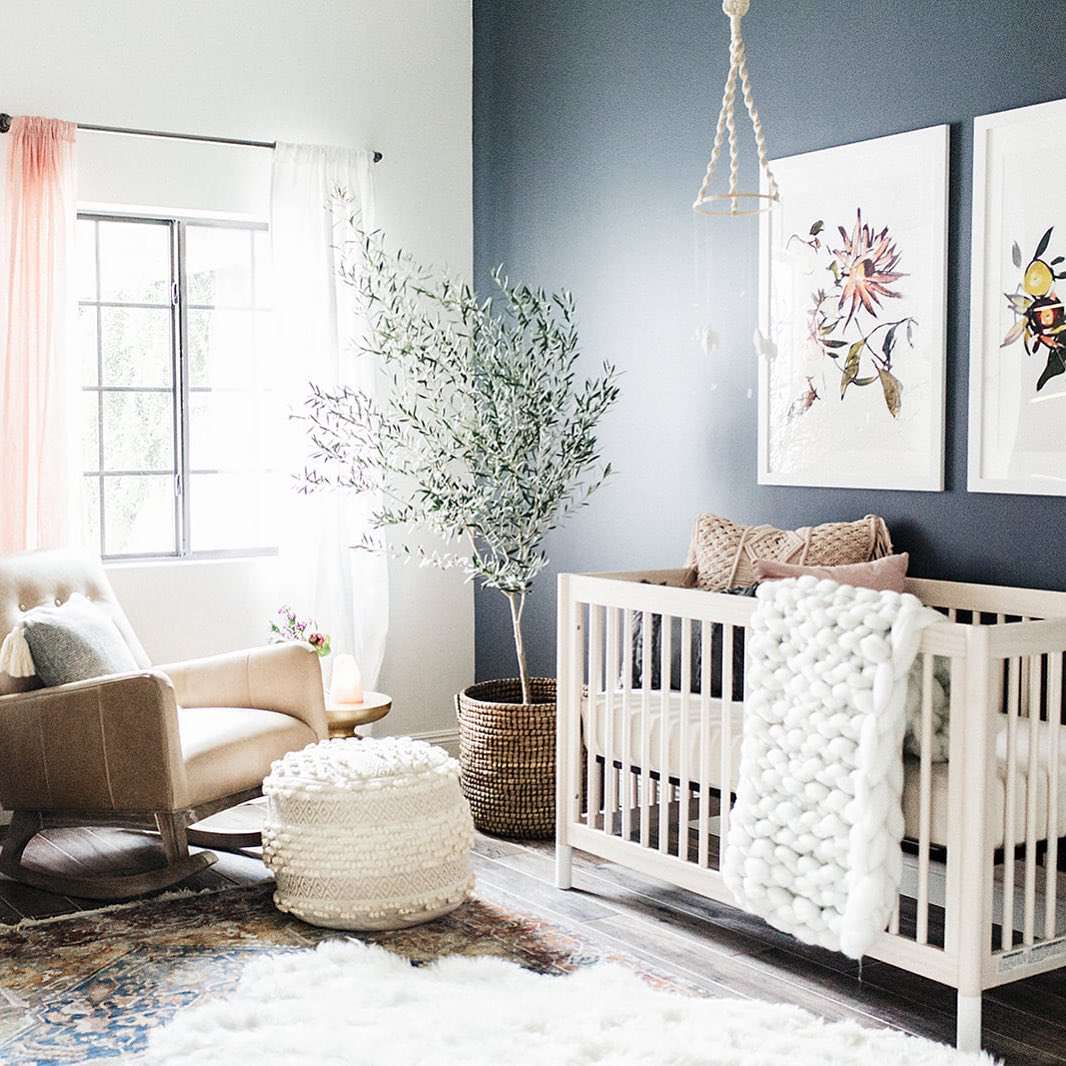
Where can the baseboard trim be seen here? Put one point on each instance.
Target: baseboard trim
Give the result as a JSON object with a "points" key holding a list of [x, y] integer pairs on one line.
{"points": [[448, 739]]}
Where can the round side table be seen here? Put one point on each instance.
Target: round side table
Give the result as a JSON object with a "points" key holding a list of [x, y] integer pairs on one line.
{"points": [[343, 718]]}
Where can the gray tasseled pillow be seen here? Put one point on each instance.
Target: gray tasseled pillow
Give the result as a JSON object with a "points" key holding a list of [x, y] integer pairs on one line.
{"points": [[75, 641]]}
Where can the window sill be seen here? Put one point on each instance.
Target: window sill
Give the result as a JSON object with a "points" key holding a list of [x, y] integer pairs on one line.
{"points": [[150, 562]]}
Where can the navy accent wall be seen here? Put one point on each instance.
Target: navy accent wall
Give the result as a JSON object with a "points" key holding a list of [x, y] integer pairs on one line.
{"points": [[592, 127]]}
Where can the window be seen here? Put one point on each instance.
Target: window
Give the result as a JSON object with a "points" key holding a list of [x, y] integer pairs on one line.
{"points": [[178, 407]]}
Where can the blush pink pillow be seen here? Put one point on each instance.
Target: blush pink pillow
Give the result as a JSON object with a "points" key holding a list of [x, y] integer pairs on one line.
{"points": [[885, 574]]}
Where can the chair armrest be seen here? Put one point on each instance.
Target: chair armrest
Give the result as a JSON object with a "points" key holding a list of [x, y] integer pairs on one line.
{"points": [[276, 677], [106, 744]]}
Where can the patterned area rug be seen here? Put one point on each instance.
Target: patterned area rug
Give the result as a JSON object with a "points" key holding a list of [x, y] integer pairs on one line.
{"points": [[88, 989]]}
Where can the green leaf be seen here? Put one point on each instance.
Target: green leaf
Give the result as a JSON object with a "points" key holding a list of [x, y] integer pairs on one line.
{"points": [[817, 228], [890, 341], [893, 391], [834, 344], [1055, 366], [1016, 254], [1044, 242], [851, 367]]}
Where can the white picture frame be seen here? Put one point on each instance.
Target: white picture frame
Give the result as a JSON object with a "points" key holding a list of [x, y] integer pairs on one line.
{"points": [[854, 415], [1017, 443]]}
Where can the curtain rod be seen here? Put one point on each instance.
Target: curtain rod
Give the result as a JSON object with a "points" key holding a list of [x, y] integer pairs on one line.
{"points": [[5, 126]]}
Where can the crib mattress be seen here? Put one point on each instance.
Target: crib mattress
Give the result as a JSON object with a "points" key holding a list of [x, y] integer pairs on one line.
{"points": [[627, 720]]}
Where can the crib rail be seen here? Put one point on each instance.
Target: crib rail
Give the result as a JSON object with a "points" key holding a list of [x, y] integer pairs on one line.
{"points": [[651, 704]]}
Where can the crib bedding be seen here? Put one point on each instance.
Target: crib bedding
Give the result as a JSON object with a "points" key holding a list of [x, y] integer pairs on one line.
{"points": [[627, 717]]}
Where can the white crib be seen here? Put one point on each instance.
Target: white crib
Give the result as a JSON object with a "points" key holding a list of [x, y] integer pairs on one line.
{"points": [[641, 769]]}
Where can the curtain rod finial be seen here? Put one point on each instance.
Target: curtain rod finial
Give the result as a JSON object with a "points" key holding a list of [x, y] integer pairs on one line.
{"points": [[5, 122]]}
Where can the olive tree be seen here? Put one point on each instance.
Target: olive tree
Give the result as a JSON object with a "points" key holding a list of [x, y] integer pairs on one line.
{"points": [[481, 434]]}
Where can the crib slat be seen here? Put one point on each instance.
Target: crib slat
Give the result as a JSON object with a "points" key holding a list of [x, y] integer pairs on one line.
{"points": [[664, 734], [645, 729], [1031, 771], [925, 798], [725, 738], [1010, 798], [573, 678], [683, 739], [595, 701], [627, 724], [893, 922], [706, 629], [610, 774], [1051, 859]]}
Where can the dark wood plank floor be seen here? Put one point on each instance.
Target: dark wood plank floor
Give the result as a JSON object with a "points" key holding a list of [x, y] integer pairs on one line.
{"points": [[718, 949]]}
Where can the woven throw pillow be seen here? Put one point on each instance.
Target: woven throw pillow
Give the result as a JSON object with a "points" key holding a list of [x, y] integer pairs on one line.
{"points": [[75, 641], [723, 553], [887, 574]]}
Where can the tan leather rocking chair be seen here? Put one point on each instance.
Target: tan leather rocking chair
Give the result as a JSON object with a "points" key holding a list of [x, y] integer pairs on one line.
{"points": [[160, 749]]}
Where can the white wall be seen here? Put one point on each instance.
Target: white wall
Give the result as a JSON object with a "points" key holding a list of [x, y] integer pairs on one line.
{"points": [[392, 75]]}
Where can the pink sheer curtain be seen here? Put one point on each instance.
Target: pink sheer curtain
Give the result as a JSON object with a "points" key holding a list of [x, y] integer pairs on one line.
{"points": [[39, 372]]}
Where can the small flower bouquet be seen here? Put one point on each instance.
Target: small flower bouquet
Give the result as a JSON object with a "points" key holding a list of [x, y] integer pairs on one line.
{"points": [[289, 627]]}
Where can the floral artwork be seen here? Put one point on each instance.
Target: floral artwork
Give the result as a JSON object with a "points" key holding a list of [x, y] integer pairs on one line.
{"points": [[852, 321], [847, 319], [1017, 323], [1039, 319]]}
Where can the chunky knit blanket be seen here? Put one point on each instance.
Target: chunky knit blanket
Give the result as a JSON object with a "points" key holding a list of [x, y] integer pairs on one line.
{"points": [[814, 839]]}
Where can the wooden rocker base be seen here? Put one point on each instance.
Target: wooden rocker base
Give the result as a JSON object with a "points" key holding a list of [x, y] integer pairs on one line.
{"points": [[174, 833], [206, 838], [129, 886]]}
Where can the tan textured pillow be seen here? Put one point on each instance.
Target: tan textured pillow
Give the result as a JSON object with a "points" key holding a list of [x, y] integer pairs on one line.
{"points": [[723, 552], [888, 573]]}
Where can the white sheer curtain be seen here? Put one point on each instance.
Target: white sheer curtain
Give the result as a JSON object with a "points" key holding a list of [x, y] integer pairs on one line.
{"points": [[344, 589], [39, 368]]}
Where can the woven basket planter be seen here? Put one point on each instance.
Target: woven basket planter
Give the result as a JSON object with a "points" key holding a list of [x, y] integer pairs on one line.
{"points": [[507, 757]]}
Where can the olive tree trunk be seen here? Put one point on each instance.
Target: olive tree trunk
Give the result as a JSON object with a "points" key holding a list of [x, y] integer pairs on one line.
{"points": [[518, 604]]}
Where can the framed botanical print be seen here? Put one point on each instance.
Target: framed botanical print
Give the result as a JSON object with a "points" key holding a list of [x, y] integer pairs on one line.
{"points": [[852, 291], [1017, 437]]}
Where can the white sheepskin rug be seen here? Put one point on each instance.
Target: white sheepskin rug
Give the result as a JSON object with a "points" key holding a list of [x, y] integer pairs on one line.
{"points": [[352, 1003]]}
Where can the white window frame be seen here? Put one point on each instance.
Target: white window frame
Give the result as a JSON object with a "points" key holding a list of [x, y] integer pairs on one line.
{"points": [[180, 389]]}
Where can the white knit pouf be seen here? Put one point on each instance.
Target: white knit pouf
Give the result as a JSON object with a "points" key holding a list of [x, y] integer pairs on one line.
{"points": [[367, 834]]}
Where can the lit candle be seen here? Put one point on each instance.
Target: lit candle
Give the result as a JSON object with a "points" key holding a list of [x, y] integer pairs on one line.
{"points": [[347, 686]]}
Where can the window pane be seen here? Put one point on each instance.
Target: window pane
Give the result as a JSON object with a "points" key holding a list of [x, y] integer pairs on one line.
{"points": [[139, 515], [90, 514], [264, 269], [218, 265], [223, 434], [231, 511], [90, 431], [87, 343], [85, 248], [136, 343], [135, 262], [221, 348], [138, 431]]}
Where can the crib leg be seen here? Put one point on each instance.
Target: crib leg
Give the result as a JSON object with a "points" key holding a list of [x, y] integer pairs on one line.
{"points": [[564, 866], [968, 1023]]}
